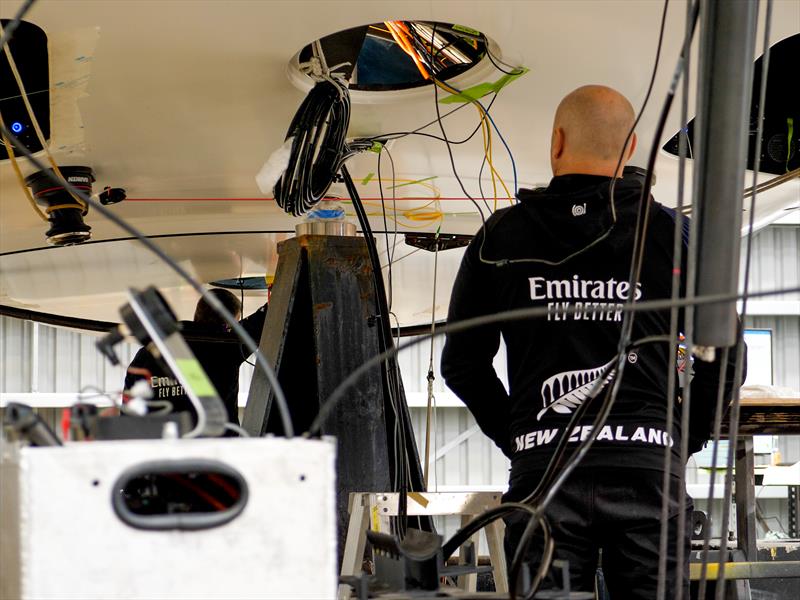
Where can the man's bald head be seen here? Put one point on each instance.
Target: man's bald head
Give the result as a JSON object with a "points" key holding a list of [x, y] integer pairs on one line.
{"points": [[589, 131]]}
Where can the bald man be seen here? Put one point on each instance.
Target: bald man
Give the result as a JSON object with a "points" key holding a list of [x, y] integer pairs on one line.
{"points": [[561, 249]]}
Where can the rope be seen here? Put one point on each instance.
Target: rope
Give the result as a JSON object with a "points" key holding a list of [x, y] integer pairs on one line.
{"points": [[430, 377]]}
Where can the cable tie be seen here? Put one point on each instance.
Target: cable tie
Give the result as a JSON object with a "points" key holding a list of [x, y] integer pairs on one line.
{"points": [[312, 68]]}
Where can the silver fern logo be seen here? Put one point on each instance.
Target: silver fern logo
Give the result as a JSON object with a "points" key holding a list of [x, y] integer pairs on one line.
{"points": [[563, 392]]}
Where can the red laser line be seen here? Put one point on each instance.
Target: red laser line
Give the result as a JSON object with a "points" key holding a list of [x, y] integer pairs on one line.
{"points": [[416, 198]]}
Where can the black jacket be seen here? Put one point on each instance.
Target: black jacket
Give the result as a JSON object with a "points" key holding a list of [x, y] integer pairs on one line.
{"points": [[220, 359], [554, 362]]}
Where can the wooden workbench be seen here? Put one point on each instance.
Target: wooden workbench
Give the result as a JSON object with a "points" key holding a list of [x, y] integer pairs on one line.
{"points": [[768, 416]]}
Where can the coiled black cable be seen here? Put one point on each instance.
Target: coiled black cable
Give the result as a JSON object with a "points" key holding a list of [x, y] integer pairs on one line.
{"points": [[318, 132]]}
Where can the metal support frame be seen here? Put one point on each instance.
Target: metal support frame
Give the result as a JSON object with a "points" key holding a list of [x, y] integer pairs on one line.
{"points": [[749, 570], [375, 509], [745, 498], [742, 562], [794, 511], [322, 325]]}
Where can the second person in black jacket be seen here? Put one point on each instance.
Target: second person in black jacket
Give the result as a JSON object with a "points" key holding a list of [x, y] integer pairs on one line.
{"points": [[220, 357]]}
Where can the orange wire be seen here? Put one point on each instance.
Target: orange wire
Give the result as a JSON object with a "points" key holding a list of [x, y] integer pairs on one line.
{"points": [[400, 37], [229, 489], [180, 479], [403, 27]]}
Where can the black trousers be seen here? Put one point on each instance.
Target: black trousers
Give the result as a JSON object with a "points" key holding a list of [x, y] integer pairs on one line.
{"points": [[609, 518]]}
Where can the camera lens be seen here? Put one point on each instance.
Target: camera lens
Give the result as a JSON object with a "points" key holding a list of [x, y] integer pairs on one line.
{"points": [[63, 211]]}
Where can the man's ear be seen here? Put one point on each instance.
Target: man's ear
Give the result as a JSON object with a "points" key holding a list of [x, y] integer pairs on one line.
{"points": [[634, 140], [557, 145]]}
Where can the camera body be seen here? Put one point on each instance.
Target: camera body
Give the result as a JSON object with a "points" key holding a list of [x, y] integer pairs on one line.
{"points": [[64, 212]]}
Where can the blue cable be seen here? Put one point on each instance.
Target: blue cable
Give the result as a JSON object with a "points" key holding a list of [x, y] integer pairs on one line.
{"points": [[502, 139]]}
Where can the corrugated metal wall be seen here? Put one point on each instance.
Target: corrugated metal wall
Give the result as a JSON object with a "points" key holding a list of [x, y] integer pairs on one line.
{"points": [[16, 350], [775, 261], [40, 358], [474, 462]]}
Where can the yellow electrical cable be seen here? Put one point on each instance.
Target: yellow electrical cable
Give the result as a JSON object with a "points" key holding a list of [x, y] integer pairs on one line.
{"points": [[495, 173], [18, 173], [485, 127], [486, 130], [11, 63], [377, 203], [379, 29], [426, 205], [412, 214], [417, 213], [487, 153], [424, 184], [429, 216]]}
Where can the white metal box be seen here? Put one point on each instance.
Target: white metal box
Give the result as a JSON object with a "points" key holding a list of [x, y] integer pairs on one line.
{"points": [[61, 538]]}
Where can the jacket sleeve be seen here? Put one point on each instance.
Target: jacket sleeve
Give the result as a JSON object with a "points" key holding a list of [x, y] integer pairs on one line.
{"points": [[254, 324], [705, 388], [467, 356], [705, 376]]}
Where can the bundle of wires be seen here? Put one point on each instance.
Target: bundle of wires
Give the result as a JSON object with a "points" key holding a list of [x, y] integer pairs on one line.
{"points": [[318, 142], [317, 132]]}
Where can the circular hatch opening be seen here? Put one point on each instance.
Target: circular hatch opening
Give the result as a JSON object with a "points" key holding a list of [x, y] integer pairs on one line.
{"points": [[391, 56]]}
